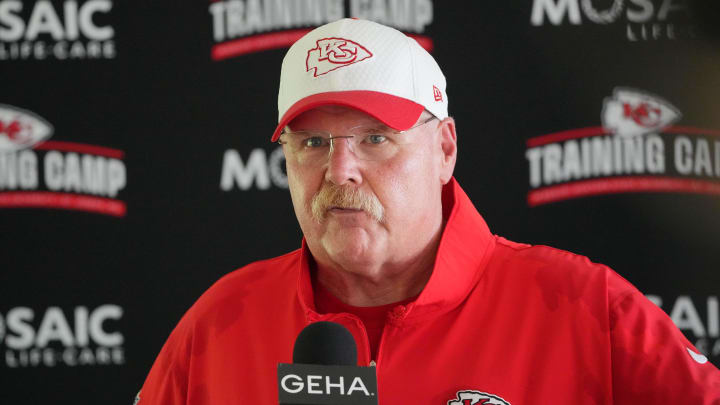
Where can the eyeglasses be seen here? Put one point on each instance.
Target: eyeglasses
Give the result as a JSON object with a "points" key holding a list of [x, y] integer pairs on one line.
{"points": [[367, 142]]}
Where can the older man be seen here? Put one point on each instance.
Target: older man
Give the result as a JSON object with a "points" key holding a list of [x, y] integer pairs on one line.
{"points": [[395, 251]]}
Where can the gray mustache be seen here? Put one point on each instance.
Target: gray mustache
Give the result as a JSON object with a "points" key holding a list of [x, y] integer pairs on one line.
{"points": [[331, 195]]}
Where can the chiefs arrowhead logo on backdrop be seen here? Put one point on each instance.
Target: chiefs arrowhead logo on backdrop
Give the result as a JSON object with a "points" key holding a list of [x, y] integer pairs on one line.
{"points": [[334, 53], [632, 112], [20, 129], [476, 398]]}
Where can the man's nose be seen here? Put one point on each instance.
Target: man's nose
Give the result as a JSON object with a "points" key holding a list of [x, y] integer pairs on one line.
{"points": [[342, 166]]}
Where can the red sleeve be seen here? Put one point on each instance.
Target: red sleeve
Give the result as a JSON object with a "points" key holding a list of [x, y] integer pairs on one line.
{"points": [[653, 362], [167, 382]]}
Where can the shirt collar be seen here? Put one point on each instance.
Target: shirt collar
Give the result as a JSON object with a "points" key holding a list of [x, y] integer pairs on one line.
{"points": [[465, 247]]}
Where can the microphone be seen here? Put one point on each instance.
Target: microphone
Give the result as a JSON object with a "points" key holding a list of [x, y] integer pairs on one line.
{"points": [[325, 371], [327, 343]]}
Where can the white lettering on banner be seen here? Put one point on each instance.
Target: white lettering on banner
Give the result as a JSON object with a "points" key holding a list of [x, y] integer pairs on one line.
{"points": [[276, 163], [643, 19], [38, 173], [28, 346], [95, 327], [75, 35], [684, 313], [610, 155], [696, 160], [69, 356], [406, 15], [604, 17], [258, 169], [18, 323], [239, 18], [55, 327], [235, 18], [44, 20], [686, 316], [60, 50], [638, 148], [637, 11], [84, 173], [555, 11], [18, 170], [595, 157]]}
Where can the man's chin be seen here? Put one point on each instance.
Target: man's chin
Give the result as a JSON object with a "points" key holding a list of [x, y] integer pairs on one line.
{"points": [[352, 249]]}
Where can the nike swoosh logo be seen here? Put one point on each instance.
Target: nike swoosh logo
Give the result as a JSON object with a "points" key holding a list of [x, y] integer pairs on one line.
{"points": [[699, 358]]}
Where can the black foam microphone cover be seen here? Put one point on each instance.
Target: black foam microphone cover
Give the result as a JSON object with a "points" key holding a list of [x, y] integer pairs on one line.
{"points": [[326, 343]]}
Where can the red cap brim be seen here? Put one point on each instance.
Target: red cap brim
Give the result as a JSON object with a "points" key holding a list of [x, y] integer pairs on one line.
{"points": [[396, 112]]}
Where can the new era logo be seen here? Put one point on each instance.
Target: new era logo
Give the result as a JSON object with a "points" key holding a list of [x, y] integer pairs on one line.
{"points": [[334, 53], [437, 93]]}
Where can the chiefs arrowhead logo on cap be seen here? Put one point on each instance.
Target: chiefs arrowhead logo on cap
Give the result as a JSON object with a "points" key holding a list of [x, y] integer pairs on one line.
{"points": [[334, 53]]}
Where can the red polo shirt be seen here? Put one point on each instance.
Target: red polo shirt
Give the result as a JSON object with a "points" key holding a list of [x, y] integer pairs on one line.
{"points": [[372, 318], [517, 323]]}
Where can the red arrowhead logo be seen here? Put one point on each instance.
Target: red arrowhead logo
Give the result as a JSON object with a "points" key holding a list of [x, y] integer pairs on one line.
{"points": [[334, 53]]}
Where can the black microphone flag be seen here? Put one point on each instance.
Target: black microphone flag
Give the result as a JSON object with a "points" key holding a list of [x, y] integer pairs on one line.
{"points": [[325, 371]]}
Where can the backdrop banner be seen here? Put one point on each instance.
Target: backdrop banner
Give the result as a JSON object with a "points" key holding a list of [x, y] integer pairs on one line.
{"points": [[136, 166]]}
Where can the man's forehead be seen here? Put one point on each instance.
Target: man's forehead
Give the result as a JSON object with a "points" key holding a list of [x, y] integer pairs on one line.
{"points": [[340, 114], [337, 114]]}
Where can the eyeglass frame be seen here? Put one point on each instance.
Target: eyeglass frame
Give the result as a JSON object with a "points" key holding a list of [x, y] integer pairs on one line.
{"points": [[331, 138]]}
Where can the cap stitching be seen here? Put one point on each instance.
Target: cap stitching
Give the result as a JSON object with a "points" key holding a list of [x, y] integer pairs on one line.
{"points": [[412, 67]]}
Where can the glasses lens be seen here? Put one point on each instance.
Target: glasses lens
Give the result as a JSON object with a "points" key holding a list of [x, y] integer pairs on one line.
{"points": [[307, 146], [366, 143], [373, 143]]}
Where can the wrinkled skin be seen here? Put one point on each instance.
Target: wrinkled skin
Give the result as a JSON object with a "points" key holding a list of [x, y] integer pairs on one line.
{"points": [[360, 260]]}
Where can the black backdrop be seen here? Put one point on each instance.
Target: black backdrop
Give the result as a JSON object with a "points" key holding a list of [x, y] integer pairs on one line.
{"points": [[94, 279]]}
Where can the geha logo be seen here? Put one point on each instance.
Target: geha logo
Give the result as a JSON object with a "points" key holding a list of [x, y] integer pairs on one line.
{"points": [[476, 398], [638, 149], [334, 53], [260, 169], [51, 339], [248, 26], [643, 20], [698, 319], [38, 173], [68, 30], [317, 384]]}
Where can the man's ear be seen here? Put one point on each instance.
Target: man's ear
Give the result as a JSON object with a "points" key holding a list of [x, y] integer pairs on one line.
{"points": [[448, 146]]}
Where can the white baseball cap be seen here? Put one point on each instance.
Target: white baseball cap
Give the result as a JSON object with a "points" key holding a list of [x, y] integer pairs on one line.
{"points": [[363, 65]]}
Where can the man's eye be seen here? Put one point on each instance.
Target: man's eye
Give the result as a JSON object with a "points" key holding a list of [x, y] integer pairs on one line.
{"points": [[375, 139], [313, 142]]}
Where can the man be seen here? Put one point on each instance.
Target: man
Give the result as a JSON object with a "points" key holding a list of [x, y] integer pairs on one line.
{"points": [[395, 251]]}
